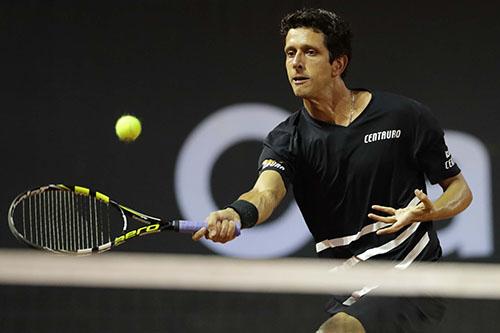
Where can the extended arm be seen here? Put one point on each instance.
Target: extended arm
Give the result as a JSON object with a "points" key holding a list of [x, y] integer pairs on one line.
{"points": [[455, 198], [265, 195]]}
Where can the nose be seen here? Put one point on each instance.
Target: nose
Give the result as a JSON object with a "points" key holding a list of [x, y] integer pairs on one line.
{"points": [[297, 61]]}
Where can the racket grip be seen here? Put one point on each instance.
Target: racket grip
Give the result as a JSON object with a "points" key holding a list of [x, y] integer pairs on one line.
{"points": [[193, 226]]}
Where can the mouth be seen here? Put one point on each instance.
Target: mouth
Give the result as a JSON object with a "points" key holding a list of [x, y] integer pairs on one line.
{"points": [[300, 79]]}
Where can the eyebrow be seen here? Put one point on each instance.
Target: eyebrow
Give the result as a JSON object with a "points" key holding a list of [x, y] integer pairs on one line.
{"points": [[305, 46]]}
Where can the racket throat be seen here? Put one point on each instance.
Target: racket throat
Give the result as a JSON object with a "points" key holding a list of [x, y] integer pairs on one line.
{"points": [[174, 225]]}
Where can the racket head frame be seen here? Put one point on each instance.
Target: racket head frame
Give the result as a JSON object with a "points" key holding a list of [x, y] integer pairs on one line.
{"points": [[152, 224]]}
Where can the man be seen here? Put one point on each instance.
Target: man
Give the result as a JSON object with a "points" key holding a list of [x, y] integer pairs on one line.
{"points": [[353, 157]]}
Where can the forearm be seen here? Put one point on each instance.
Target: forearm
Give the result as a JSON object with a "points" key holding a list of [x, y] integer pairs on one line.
{"points": [[456, 197], [264, 200]]}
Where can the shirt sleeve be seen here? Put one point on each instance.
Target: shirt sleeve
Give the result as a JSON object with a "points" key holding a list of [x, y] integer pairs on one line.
{"points": [[430, 150], [278, 152]]}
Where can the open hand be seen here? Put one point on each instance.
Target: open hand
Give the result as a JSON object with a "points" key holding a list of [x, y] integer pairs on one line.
{"points": [[398, 218]]}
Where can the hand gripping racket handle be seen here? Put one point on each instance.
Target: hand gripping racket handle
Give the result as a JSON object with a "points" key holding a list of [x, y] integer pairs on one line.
{"points": [[194, 226]]}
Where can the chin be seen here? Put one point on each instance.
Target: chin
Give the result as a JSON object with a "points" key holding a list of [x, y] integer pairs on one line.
{"points": [[300, 93]]}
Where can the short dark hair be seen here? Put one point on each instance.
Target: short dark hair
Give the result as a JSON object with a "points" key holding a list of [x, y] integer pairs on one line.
{"points": [[337, 31]]}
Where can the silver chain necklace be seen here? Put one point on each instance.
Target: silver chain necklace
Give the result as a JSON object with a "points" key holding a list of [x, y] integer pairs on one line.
{"points": [[351, 114], [352, 108]]}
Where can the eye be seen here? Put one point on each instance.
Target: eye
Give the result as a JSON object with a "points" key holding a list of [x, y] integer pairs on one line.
{"points": [[290, 53], [311, 52]]}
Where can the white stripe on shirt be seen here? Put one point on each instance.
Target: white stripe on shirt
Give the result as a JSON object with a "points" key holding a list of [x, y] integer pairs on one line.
{"points": [[342, 241], [346, 240]]}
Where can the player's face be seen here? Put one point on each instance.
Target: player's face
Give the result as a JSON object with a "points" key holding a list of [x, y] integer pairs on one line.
{"points": [[307, 63]]}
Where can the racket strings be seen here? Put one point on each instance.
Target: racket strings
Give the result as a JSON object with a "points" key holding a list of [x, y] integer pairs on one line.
{"points": [[64, 221]]}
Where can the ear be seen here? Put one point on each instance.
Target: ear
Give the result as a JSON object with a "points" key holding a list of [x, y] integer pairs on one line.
{"points": [[339, 65]]}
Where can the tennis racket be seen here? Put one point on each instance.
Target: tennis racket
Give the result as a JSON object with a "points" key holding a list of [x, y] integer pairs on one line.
{"points": [[76, 220]]}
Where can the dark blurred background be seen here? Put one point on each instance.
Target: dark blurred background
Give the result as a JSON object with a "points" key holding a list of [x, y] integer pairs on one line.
{"points": [[71, 68]]}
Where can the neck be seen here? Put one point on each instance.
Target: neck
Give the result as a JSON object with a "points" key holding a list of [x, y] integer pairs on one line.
{"points": [[335, 106]]}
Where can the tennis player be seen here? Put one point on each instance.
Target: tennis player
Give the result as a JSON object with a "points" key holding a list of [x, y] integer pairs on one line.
{"points": [[356, 160]]}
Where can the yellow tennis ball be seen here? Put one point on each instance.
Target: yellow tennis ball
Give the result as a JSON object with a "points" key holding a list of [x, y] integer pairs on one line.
{"points": [[128, 128]]}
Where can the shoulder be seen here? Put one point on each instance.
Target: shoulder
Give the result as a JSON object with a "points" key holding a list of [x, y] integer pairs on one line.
{"points": [[282, 139], [285, 129], [401, 105], [396, 100], [289, 123]]}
